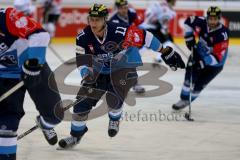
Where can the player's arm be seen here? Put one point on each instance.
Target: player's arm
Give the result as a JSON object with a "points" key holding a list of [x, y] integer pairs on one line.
{"points": [[138, 38], [34, 57], [220, 47], [137, 19], [84, 60], [190, 24]]}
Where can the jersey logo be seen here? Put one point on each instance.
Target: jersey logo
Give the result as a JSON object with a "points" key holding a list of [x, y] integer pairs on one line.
{"points": [[22, 22], [110, 47], [91, 48], [8, 61], [3, 48]]}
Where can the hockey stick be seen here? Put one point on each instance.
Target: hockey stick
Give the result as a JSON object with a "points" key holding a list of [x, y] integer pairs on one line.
{"points": [[188, 115], [11, 91], [37, 126], [173, 45]]}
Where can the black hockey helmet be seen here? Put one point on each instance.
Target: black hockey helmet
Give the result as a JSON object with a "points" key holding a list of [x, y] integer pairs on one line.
{"points": [[172, 2], [98, 10], [214, 11], [120, 3]]}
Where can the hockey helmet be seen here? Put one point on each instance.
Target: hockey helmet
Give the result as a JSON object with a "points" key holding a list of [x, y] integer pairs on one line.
{"points": [[214, 11], [98, 10], [120, 3]]}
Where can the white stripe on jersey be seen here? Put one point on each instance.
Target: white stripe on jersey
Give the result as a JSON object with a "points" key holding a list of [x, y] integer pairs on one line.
{"points": [[39, 40], [8, 141]]}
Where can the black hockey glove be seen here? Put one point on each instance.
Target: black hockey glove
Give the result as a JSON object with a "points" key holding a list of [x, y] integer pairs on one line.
{"points": [[190, 41], [31, 73], [172, 58]]}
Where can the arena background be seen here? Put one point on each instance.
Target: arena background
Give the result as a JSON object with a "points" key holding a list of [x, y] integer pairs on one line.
{"points": [[214, 135]]}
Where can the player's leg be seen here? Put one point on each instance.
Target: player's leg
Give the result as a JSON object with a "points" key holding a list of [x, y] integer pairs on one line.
{"points": [[191, 72], [82, 109], [206, 76], [46, 97], [121, 82], [11, 111], [50, 24]]}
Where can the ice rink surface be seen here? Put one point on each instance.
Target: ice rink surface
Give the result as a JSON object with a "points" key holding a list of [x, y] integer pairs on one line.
{"points": [[214, 135]]}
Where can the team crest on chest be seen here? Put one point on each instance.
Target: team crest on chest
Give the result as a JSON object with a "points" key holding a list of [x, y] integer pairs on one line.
{"points": [[91, 48]]}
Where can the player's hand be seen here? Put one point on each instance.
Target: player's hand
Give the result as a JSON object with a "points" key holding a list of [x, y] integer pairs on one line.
{"points": [[172, 58], [31, 70], [190, 41]]}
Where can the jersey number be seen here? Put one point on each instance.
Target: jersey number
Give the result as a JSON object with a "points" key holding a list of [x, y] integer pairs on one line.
{"points": [[121, 30], [225, 36]]}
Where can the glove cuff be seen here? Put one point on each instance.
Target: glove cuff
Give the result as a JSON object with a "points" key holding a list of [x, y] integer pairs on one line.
{"points": [[29, 72]]}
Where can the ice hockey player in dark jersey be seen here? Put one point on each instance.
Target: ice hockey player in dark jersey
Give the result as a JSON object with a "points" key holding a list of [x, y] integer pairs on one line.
{"points": [[23, 44], [127, 16], [114, 47], [124, 14], [209, 53]]}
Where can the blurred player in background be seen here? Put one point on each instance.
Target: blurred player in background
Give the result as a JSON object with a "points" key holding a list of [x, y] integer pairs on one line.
{"points": [[127, 16], [22, 58], [25, 6], [51, 14], [209, 53], [113, 49], [157, 18]]}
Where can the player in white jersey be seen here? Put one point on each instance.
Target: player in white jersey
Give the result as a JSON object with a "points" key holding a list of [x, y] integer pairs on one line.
{"points": [[157, 18], [52, 11], [25, 6]]}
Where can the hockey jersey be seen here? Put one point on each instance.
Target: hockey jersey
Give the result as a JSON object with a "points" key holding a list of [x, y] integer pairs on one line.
{"points": [[21, 38], [133, 18], [213, 44], [52, 6], [158, 13], [113, 43]]}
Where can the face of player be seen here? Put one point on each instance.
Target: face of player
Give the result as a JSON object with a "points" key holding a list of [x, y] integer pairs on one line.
{"points": [[123, 11], [212, 22], [97, 24]]}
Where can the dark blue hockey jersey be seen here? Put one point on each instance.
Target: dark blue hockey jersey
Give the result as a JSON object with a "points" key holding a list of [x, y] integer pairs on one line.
{"points": [[132, 18], [112, 44], [213, 44]]}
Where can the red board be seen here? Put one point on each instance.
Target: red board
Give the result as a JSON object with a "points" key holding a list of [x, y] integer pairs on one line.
{"points": [[73, 20]]}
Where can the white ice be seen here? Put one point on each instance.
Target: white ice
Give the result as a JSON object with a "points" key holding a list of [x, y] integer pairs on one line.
{"points": [[214, 135]]}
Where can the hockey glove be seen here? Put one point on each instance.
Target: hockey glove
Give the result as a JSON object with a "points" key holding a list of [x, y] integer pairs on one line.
{"points": [[31, 73], [172, 58]]}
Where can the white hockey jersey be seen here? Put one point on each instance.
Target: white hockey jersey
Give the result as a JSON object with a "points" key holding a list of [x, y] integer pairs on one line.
{"points": [[54, 6], [24, 6], [158, 12]]}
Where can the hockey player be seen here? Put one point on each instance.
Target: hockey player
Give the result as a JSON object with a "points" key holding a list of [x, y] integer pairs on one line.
{"points": [[109, 43], [157, 18], [22, 58], [209, 53], [51, 14], [127, 16], [25, 6]]}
